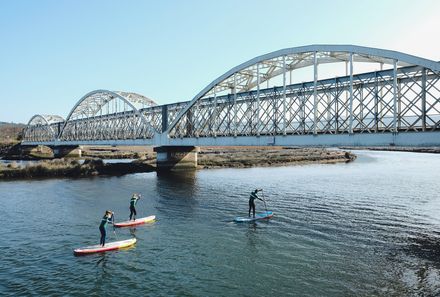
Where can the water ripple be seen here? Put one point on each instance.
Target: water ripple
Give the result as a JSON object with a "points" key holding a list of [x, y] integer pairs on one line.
{"points": [[369, 228]]}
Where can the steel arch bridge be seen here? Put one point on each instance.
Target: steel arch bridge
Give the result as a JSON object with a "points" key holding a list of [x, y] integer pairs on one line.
{"points": [[394, 100], [42, 128]]}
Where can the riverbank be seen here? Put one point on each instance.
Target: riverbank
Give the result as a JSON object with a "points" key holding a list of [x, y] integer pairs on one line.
{"points": [[209, 157], [242, 157], [71, 168], [120, 152], [6, 147], [429, 150], [15, 151]]}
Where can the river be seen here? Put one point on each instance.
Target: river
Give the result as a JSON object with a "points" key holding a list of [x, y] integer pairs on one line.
{"points": [[366, 228]]}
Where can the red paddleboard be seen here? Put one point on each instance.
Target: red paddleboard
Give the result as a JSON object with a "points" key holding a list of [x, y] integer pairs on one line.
{"points": [[136, 222], [116, 245]]}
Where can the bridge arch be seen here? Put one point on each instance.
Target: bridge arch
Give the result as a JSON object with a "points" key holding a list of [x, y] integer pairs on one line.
{"points": [[43, 127], [248, 77], [108, 115]]}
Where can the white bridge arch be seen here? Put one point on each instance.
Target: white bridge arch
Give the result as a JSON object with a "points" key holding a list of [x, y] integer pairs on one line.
{"points": [[108, 115], [397, 101], [237, 104], [43, 127]]}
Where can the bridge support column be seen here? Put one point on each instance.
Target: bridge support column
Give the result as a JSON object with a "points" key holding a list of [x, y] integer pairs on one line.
{"points": [[67, 151], [176, 157]]}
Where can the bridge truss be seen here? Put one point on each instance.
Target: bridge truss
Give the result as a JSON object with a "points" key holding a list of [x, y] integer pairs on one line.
{"points": [[375, 102], [401, 95]]}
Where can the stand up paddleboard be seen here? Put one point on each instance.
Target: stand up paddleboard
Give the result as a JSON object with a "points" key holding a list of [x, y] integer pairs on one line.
{"points": [[135, 222], [259, 216], [108, 247]]}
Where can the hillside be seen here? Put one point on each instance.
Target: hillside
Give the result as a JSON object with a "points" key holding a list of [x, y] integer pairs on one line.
{"points": [[10, 131]]}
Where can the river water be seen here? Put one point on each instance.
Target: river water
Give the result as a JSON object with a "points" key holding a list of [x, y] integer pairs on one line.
{"points": [[367, 228]]}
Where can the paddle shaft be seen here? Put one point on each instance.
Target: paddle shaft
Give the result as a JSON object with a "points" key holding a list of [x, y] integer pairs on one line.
{"points": [[264, 200], [114, 228]]}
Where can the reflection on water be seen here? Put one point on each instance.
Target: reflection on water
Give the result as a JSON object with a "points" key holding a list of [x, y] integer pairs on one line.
{"points": [[102, 260], [368, 228], [177, 192], [186, 178]]}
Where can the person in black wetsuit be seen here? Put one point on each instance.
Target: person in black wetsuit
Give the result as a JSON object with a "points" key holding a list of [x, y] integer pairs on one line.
{"points": [[252, 203], [107, 218], [134, 199]]}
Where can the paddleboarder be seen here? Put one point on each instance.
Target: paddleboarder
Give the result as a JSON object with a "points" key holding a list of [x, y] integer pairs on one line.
{"points": [[251, 201], [107, 218], [134, 199]]}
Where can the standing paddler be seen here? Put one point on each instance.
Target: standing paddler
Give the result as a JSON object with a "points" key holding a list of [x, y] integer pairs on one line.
{"points": [[251, 201], [107, 218], [134, 199]]}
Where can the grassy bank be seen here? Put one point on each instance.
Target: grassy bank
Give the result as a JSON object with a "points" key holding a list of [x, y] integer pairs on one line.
{"points": [[240, 157], [64, 168], [209, 157], [122, 152]]}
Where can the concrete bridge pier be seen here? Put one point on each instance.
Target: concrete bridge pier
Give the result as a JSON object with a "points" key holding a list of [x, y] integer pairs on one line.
{"points": [[176, 158], [63, 151]]}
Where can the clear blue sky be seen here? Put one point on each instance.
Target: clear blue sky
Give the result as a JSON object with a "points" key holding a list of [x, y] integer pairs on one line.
{"points": [[53, 52]]}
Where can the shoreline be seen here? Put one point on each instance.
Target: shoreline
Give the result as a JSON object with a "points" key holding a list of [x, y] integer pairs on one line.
{"points": [[408, 149], [72, 169], [242, 157], [208, 158]]}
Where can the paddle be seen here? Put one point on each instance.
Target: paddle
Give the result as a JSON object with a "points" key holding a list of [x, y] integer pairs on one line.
{"points": [[114, 228], [264, 200]]}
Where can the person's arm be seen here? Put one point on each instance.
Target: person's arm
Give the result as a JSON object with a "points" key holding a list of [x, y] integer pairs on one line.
{"points": [[259, 190], [255, 196]]}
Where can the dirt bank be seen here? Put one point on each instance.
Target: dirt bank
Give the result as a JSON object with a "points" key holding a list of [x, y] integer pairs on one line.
{"points": [[72, 168], [120, 152], [6, 147], [431, 150], [209, 157], [239, 157]]}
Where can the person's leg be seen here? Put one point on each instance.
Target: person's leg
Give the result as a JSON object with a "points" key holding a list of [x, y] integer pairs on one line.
{"points": [[134, 211], [131, 212], [250, 207], [253, 209], [102, 239], [103, 236]]}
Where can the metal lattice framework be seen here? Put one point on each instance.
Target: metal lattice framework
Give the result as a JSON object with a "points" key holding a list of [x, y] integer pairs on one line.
{"points": [[161, 116], [405, 97], [43, 128], [107, 115], [400, 94]]}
